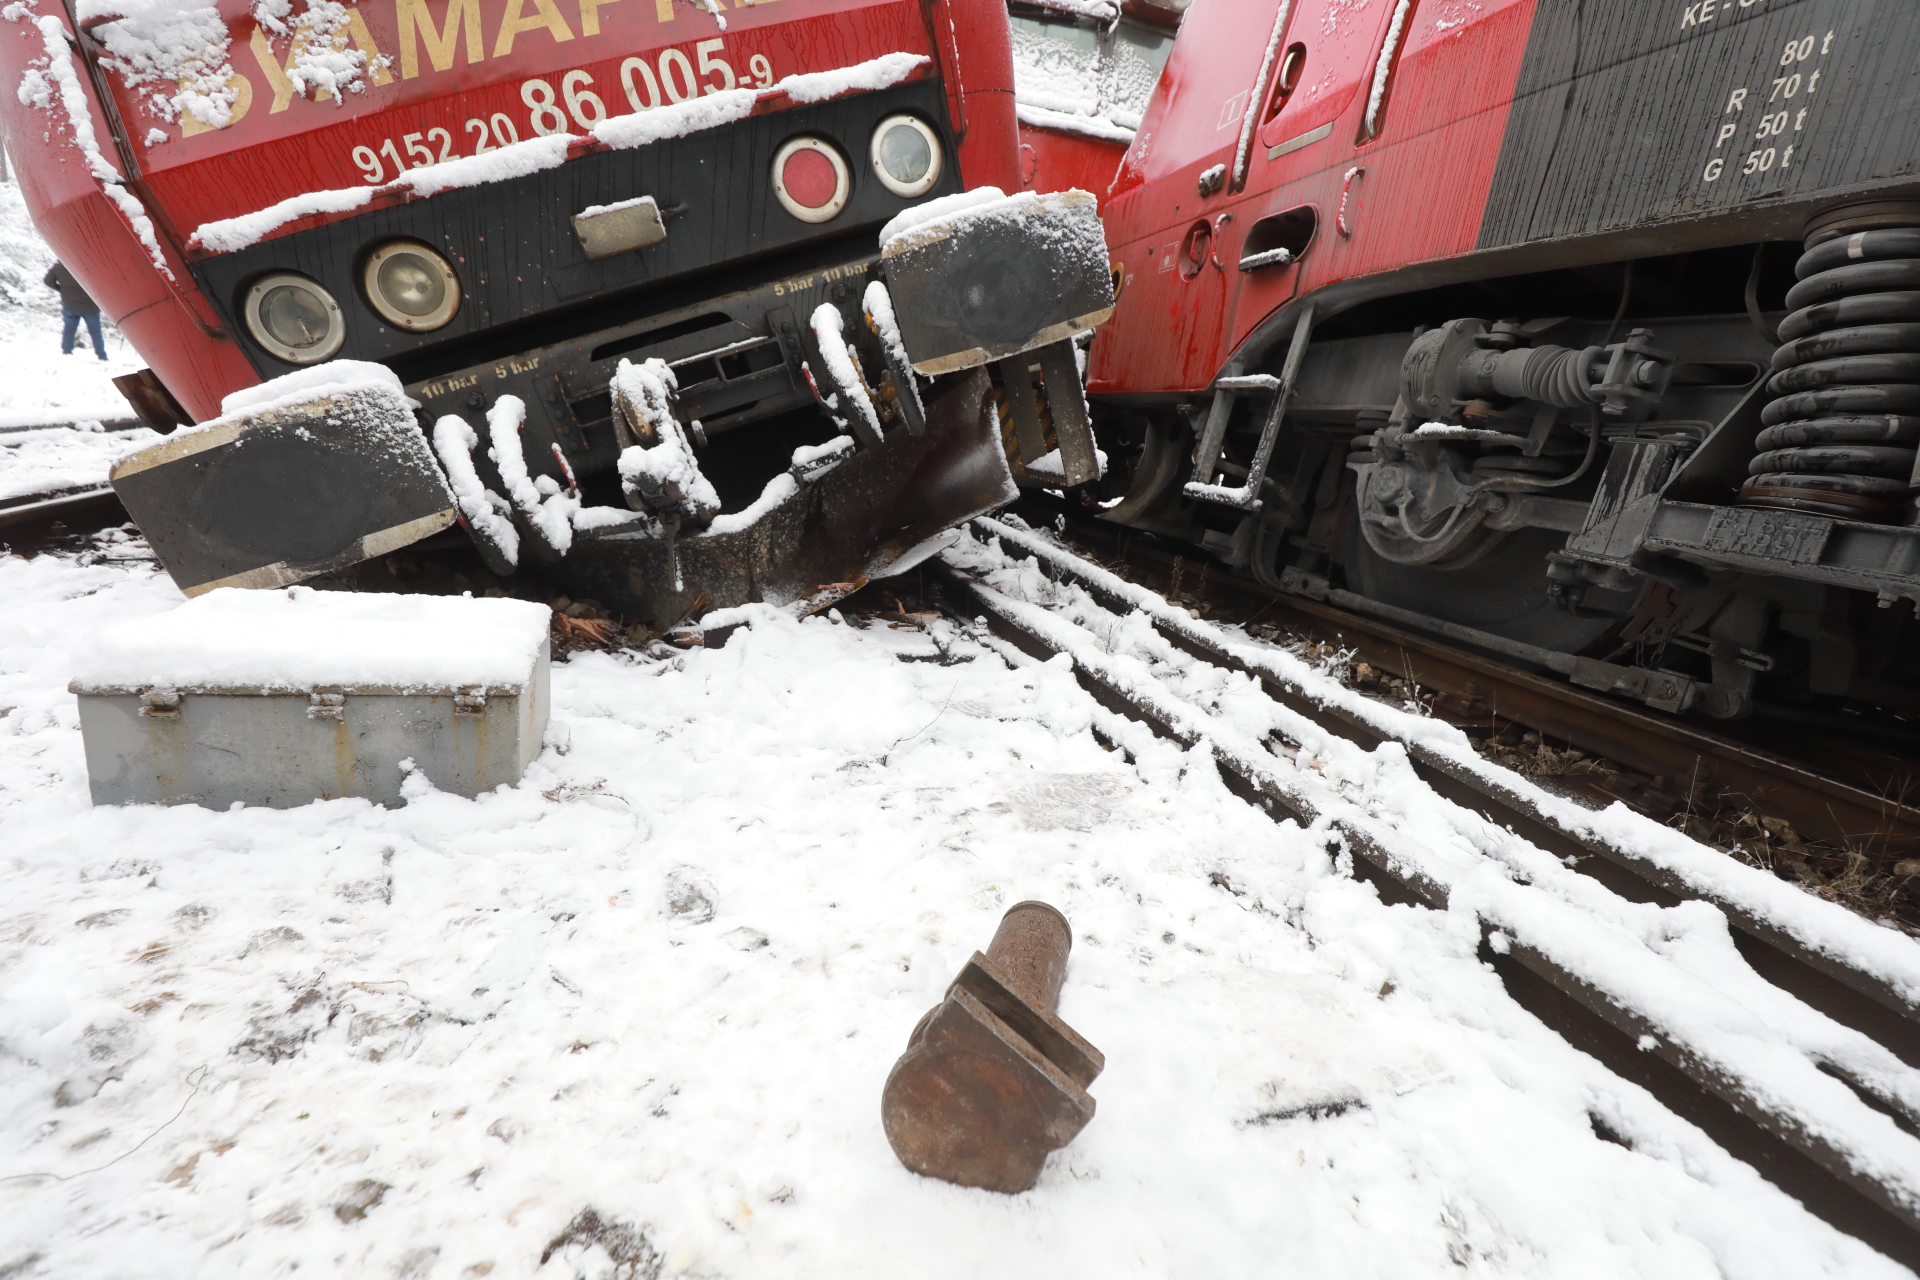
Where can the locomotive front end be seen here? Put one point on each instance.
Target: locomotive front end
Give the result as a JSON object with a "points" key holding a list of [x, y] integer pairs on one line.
{"points": [[602, 283]]}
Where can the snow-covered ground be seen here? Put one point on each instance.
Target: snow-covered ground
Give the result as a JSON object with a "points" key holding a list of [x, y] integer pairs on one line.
{"points": [[642, 1005], [37, 384]]}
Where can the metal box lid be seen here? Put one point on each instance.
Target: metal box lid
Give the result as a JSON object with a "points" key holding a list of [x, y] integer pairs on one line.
{"points": [[302, 641]]}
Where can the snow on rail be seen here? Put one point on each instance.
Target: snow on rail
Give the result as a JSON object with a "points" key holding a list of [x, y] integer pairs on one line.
{"points": [[1819, 925], [633, 1014], [519, 159], [1674, 970]]}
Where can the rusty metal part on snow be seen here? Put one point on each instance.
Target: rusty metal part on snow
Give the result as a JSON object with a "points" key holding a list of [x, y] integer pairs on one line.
{"points": [[992, 1080]]}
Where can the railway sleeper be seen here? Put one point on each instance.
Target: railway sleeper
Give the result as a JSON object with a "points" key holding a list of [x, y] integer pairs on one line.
{"points": [[1835, 1181]]}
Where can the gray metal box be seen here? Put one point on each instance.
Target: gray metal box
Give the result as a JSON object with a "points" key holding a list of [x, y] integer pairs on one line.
{"points": [[172, 735]]}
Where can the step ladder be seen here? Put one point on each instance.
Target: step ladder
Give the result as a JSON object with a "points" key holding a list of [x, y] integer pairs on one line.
{"points": [[1213, 437]]}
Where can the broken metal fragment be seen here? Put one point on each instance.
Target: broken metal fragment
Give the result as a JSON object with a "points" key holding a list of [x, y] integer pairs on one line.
{"points": [[992, 1080]]}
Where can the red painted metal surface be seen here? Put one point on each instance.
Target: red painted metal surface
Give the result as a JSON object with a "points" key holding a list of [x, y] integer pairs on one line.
{"points": [[1420, 198], [1055, 161]]}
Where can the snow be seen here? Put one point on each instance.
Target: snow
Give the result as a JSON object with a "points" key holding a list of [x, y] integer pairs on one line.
{"points": [[843, 367], [1056, 66], [38, 385], [1050, 466], [1070, 78], [877, 302], [227, 235], [1383, 66], [543, 506], [35, 91], [1821, 926], [640, 1006], [775, 492], [1080, 125], [517, 160], [666, 467], [808, 456], [1268, 258], [63, 459], [179, 50], [676, 120], [303, 386], [882, 72], [1103, 10], [302, 639], [1675, 969], [639, 202], [1257, 101], [322, 61], [454, 440], [940, 207]]}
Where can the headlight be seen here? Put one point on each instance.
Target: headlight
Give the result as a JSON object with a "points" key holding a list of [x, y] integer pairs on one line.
{"points": [[810, 179], [906, 156], [294, 318], [411, 286]]}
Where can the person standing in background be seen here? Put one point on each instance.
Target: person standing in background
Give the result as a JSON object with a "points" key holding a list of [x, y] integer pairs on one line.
{"points": [[75, 306]]}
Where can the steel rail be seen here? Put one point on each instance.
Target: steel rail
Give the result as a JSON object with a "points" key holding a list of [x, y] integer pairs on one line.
{"points": [[1818, 806], [1797, 1146], [96, 507]]}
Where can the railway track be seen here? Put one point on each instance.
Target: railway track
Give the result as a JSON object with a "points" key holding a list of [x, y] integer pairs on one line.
{"points": [[1783, 1025], [92, 507], [1857, 797], [80, 507]]}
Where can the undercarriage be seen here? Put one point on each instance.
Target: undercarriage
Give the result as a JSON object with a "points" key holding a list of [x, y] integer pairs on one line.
{"points": [[1685, 480]]}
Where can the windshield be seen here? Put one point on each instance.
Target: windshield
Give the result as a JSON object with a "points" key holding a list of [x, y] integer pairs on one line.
{"points": [[1087, 67]]}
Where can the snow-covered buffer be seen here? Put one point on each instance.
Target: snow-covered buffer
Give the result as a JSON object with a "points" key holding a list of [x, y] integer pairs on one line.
{"points": [[983, 275], [300, 475], [658, 470]]}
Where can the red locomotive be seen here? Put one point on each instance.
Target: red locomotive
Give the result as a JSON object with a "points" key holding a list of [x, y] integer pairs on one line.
{"points": [[1559, 329], [632, 243]]}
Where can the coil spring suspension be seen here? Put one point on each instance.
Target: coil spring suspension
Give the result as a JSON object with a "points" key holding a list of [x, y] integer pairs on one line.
{"points": [[1840, 436]]}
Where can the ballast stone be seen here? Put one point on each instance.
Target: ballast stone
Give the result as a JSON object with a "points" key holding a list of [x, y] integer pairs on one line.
{"points": [[278, 698]]}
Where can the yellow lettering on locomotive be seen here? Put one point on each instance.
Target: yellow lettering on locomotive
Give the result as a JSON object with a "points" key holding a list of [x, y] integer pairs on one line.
{"points": [[276, 74], [413, 17], [546, 14], [590, 16]]}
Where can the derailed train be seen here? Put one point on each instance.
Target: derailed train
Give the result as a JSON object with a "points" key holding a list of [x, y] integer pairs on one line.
{"points": [[1561, 329], [1586, 330], [633, 247]]}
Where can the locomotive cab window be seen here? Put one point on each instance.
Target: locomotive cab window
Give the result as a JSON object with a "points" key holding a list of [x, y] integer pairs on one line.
{"points": [[1084, 66]]}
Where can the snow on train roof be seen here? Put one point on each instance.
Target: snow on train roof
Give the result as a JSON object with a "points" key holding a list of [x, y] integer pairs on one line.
{"points": [[302, 639]]}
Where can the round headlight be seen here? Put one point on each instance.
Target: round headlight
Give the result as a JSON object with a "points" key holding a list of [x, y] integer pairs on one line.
{"points": [[411, 286], [294, 318], [906, 155], [810, 179]]}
